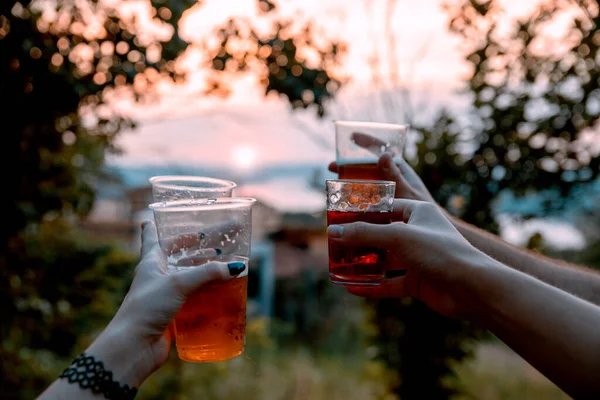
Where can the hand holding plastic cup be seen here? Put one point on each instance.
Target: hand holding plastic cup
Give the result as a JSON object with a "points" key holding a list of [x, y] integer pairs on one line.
{"points": [[211, 324]]}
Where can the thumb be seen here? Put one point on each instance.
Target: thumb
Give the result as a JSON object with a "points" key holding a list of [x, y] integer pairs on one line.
{"points": [[149, 237], [187, 280]]}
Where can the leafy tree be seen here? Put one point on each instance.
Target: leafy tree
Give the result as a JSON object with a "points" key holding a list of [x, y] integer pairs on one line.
{"points": [[60, 63], [535, 104]]}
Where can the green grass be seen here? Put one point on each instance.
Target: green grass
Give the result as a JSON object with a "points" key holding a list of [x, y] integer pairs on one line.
{"points": [[266, 371], [287, 375], [497, 373]]}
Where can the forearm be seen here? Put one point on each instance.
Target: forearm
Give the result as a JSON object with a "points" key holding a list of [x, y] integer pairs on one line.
{"points": [[579, 281], [120, 358], [61, 389], [559, 334]]}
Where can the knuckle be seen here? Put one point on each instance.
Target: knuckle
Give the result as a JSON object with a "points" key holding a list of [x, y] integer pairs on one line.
{"points": [[425, 207], [214, 271], [359, 229], [429, 207]]}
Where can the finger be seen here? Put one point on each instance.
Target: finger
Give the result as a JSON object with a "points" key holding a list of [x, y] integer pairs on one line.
{"points": [[152, 264], [149, 237], [408, 172], [364, 234], [381, 236], [195, 258], [370, 143], [216, 236], [333, 167], [185, 281], [391, 172], [406, 209], [391, 288]]}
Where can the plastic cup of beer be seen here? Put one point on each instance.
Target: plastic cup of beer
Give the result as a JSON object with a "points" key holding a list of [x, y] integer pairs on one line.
{"points": [[211, 325], [170, 188], [351, 201], [359, 145]]}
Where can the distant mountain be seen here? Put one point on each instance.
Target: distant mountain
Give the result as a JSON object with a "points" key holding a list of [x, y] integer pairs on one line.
{"points": [[134, 177]]}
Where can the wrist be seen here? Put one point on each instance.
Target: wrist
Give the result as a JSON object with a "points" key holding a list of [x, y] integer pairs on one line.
{"points": [[123, 354], [479, 288]]}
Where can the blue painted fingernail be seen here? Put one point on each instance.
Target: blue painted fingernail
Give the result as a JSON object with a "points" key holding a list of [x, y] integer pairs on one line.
{"points": [[335, 231], [218, 251], [236, 268]]}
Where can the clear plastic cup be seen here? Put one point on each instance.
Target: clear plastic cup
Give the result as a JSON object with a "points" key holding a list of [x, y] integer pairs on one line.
{"points": [[211, 325]]}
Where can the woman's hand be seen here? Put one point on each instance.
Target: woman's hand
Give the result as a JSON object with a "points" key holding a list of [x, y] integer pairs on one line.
{"points": [[421, 240], [138, 339], [139, 333]]}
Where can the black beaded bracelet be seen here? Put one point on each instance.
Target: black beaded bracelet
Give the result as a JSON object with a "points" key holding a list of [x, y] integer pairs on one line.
{"points": [[90, 374]]}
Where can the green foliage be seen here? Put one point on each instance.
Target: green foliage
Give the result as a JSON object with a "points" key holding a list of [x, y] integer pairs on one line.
{"points": [[63, 288], [291, 63], [496, 372], [532, 105], [421, 347]]}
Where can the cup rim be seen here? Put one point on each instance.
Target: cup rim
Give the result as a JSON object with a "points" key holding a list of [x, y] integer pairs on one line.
{"points": [[222, 203], [162, 181], [359, 181], [365, 124]]}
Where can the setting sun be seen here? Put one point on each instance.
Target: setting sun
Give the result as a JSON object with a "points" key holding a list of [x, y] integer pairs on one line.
{"points": [[244, 157]]}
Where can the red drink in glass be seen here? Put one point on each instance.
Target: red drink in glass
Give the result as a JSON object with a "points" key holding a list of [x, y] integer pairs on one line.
{"points": [[351, 201], [358, 170], [356, 265]]}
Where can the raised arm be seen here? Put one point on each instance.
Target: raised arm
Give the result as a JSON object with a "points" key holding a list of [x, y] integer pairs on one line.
{"points": [[580, 281], [577, 280], [558, 333], [137, 340]]}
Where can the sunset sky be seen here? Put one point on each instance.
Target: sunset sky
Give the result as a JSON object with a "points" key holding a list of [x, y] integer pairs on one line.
{"points": [[249, 131]]}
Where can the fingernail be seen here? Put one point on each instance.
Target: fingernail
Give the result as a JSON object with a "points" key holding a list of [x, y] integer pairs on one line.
{"points": [[219, 251], [236, 267], [335, 231]]}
